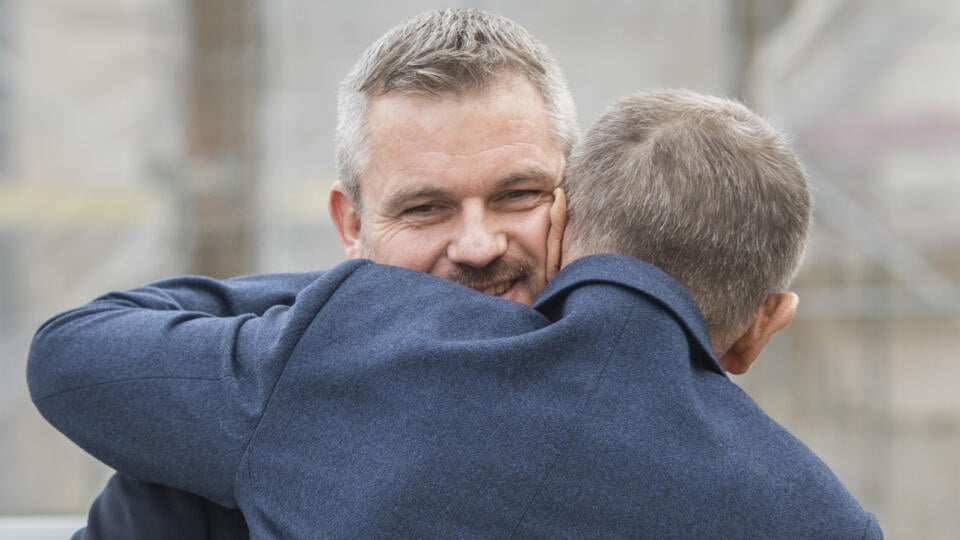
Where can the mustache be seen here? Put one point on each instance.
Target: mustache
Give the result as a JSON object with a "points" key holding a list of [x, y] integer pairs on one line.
{"points": [[495, 272]]}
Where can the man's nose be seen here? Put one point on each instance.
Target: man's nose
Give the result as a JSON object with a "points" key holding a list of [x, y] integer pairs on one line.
{"points": [[479, 241]]}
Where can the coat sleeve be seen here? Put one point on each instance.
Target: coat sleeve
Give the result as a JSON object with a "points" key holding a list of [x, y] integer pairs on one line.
{"points": [[165, 383]]}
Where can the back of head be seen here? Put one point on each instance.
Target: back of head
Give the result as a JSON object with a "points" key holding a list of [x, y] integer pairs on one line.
{"points": [[450, 51], [698, 186]]}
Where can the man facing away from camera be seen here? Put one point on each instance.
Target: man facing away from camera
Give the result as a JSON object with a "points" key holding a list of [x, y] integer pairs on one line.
{"points": [[380, 402]]}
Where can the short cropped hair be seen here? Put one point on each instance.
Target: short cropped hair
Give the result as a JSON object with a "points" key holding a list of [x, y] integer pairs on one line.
{"points": [[449, 51], [700, 187]]}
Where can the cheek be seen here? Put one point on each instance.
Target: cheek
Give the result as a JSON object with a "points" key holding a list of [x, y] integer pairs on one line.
{"points": [[531, 233], [414, 249]]}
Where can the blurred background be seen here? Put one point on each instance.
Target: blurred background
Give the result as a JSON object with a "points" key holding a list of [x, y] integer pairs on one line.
{"points": [[145, 138]]}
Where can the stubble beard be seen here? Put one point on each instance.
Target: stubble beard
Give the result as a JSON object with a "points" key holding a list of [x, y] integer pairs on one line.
{"points": [[499, 271]]}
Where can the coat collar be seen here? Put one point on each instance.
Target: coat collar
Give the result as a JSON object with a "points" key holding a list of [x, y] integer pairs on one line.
{"points": [[636, 275]]}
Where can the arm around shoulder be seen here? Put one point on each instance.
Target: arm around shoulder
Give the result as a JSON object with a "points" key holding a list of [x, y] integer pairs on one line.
{"points": [[154, 384]]}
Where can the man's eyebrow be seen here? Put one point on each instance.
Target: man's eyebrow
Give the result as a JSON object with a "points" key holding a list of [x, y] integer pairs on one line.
{"points": [[531, 174], [404, 196]]}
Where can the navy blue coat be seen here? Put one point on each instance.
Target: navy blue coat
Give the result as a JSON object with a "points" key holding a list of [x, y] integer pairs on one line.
{"points": [[128, 509], [371, 401]]}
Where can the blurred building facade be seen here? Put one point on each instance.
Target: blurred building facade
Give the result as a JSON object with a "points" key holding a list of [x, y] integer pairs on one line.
{"points": [[145, 138]]}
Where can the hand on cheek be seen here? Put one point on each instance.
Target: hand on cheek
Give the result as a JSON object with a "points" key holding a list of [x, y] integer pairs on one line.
{"points": [[558, 220]]}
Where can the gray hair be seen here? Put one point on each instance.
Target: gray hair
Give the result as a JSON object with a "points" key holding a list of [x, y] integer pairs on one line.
{"points": [[450, 51], [700, 187]]}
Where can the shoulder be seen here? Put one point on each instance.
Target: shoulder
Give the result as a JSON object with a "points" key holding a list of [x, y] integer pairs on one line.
{"points": [[609, 284]]}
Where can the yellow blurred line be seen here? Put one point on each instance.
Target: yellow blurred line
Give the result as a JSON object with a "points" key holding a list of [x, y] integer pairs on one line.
{"points": [[55, 207], [46, 206]]}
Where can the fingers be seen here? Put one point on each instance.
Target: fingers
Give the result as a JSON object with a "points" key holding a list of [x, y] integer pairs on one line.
{"points": [[558, 220]]}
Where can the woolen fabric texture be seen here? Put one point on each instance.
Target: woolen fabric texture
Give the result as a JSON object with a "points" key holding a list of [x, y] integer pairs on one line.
{"points": [[376, 402]]}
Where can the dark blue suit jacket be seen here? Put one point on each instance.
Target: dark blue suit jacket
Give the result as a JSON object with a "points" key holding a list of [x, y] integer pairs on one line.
{"points": [[371, 401]]}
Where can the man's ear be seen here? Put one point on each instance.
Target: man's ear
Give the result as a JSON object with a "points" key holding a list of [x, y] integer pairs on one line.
{"points": [[773, 315], [346, 219]]}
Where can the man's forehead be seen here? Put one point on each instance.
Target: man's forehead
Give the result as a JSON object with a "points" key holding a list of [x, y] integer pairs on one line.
{"points": [[454, 145], [486, 96]]}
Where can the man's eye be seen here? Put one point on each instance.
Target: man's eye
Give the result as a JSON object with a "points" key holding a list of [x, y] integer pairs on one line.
{"points": [[521, 199], [422, 210], [520, 194]]}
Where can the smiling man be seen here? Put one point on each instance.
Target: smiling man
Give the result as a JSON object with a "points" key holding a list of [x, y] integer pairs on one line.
{"points": [[458, 187], [453, 130]]}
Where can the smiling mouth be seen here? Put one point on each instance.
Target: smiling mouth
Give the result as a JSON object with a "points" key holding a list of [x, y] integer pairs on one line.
{"points": [[498, 288]]}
